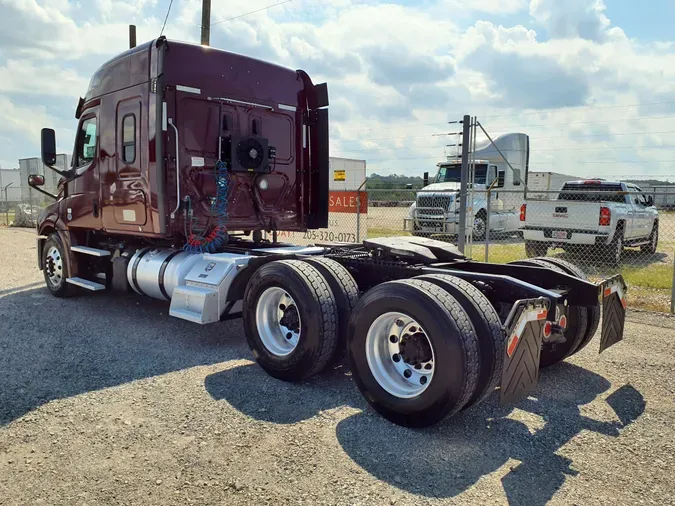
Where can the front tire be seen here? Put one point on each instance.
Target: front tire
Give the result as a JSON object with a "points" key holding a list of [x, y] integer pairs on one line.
{"points": [[55, 267], [290, 319], [480, 227], [413, 352]]}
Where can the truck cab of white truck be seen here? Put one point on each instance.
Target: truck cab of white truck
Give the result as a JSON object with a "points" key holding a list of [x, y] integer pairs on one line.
{"points": [[435, 212]]}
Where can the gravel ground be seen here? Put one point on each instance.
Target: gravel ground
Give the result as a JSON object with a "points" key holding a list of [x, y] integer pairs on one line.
{"points": [[105, 399]]}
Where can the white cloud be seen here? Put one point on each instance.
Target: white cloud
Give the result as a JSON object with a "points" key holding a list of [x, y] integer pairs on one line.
{"points": [[571, 18]]}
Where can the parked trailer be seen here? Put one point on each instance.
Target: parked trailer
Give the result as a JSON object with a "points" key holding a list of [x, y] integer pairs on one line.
{"points": [[185, 155]]}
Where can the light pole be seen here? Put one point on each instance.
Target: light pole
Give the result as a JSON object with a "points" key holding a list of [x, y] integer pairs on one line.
{"points": [[7, 203]]}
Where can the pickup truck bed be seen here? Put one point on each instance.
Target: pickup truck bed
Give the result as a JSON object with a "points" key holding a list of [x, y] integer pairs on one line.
{"points": [[604, 216]]}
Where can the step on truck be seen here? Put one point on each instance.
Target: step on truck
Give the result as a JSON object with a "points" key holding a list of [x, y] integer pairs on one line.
{"points": [[188, 161]]}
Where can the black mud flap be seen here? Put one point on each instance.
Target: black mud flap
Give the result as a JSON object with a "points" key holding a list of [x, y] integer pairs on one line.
{"points": [[613, 311], [524, 331]]}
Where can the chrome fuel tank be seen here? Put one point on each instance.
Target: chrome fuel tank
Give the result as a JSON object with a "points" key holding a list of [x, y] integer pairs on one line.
{"points": [[156, 272]]}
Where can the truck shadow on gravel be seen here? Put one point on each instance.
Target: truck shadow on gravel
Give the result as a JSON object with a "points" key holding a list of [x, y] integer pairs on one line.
{"points": [[56, 348], [445, 460]]}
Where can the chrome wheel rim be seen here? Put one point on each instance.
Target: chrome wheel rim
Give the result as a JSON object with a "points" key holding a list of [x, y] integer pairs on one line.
{"points": [[400, 355], [54, 267], [479, 227], [278, 321]]}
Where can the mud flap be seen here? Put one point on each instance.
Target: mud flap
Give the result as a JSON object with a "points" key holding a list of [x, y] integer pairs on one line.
{"points": [[613, 311], [524, 330]]}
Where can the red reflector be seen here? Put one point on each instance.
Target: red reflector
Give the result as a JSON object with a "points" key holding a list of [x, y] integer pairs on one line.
{"points": [[548, 327], [608, 292], [563, 321], [605, 217], [523, 212]]}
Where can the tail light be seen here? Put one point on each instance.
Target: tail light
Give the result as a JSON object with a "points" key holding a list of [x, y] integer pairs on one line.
{"points": [[605, 217], [523, 212]]}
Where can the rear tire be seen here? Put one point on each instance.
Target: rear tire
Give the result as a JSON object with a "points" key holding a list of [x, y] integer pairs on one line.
{"points": [[614, 250], [488, 327], [290, 319], [55, 267], [535, 249], [592, 313], [346, 294], [577, 323], [650, 249], [387, 318], [480, 226]]}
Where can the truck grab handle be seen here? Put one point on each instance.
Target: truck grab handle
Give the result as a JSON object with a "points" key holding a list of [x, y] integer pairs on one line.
{"points": [[173, 213]]}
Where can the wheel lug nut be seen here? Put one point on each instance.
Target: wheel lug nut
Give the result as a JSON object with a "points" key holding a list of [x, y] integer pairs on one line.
{"points": [[423, 380], [393, 339], [289, 335], [282, 307], [396, 357], [407, 373]]}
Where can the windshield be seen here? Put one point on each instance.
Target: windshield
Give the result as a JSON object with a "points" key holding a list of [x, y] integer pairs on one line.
{"points": [[453, 174]]}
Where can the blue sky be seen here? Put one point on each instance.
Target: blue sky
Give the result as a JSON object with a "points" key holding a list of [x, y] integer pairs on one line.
{"points": [[591, 81]]}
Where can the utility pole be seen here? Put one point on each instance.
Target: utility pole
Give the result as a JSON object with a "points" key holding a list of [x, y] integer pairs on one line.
{"points": [[206, 22]]}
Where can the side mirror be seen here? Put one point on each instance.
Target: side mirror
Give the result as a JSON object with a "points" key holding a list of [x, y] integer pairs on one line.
{"points": [[48, 146], [36, 180]]}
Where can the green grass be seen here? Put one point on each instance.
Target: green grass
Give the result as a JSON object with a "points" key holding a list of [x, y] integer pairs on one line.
{"points": [[3, 218]]}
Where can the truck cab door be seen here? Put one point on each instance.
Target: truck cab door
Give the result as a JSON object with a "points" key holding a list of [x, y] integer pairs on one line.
{"points": [[129, 191], [82, 207]]}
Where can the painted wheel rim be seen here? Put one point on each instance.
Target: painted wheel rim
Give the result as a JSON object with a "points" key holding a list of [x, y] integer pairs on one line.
{"points": [[400, 355], [479, 227], [54, 267], [278, 320]]}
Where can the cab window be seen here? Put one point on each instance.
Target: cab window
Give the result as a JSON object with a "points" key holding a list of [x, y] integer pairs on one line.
{"points": [[86, 142]]}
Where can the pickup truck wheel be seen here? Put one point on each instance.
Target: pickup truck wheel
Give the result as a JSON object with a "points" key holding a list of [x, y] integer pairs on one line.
{"points": [[55, 268], [577, 324], [413, 352], [346, 294], [592, 313], [488, 326], [290, 319], [535, 249], [650, 249], [615, 249]]}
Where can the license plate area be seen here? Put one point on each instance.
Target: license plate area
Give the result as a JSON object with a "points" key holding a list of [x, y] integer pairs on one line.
{"points": [[559, 234]]}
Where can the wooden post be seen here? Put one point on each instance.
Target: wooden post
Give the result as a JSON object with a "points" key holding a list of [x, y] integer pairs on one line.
{"points": [[206, 22]]}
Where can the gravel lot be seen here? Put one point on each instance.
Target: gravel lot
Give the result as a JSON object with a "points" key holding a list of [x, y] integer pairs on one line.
{"points": [[105, 399]]}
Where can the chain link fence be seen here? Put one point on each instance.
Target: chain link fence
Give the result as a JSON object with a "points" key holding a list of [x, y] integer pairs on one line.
{"points": [[21, 207], [602, 230]]}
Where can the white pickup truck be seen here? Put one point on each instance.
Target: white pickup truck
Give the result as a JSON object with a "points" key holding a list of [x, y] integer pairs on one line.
{"points": [[601, 215]]}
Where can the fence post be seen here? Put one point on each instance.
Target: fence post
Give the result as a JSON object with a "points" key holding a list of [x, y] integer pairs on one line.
{"points": [[466, 139], [487, 226], [672, 290]]}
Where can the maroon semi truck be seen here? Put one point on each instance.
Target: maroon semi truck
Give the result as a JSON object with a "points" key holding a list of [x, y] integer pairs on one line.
{"points": [[188, 159]]}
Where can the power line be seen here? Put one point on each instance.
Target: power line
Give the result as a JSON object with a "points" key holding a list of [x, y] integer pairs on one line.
{"points": [[533, 113], [168, 11], [532, 150], [578, 162], [531, 138], [252, 12]]}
